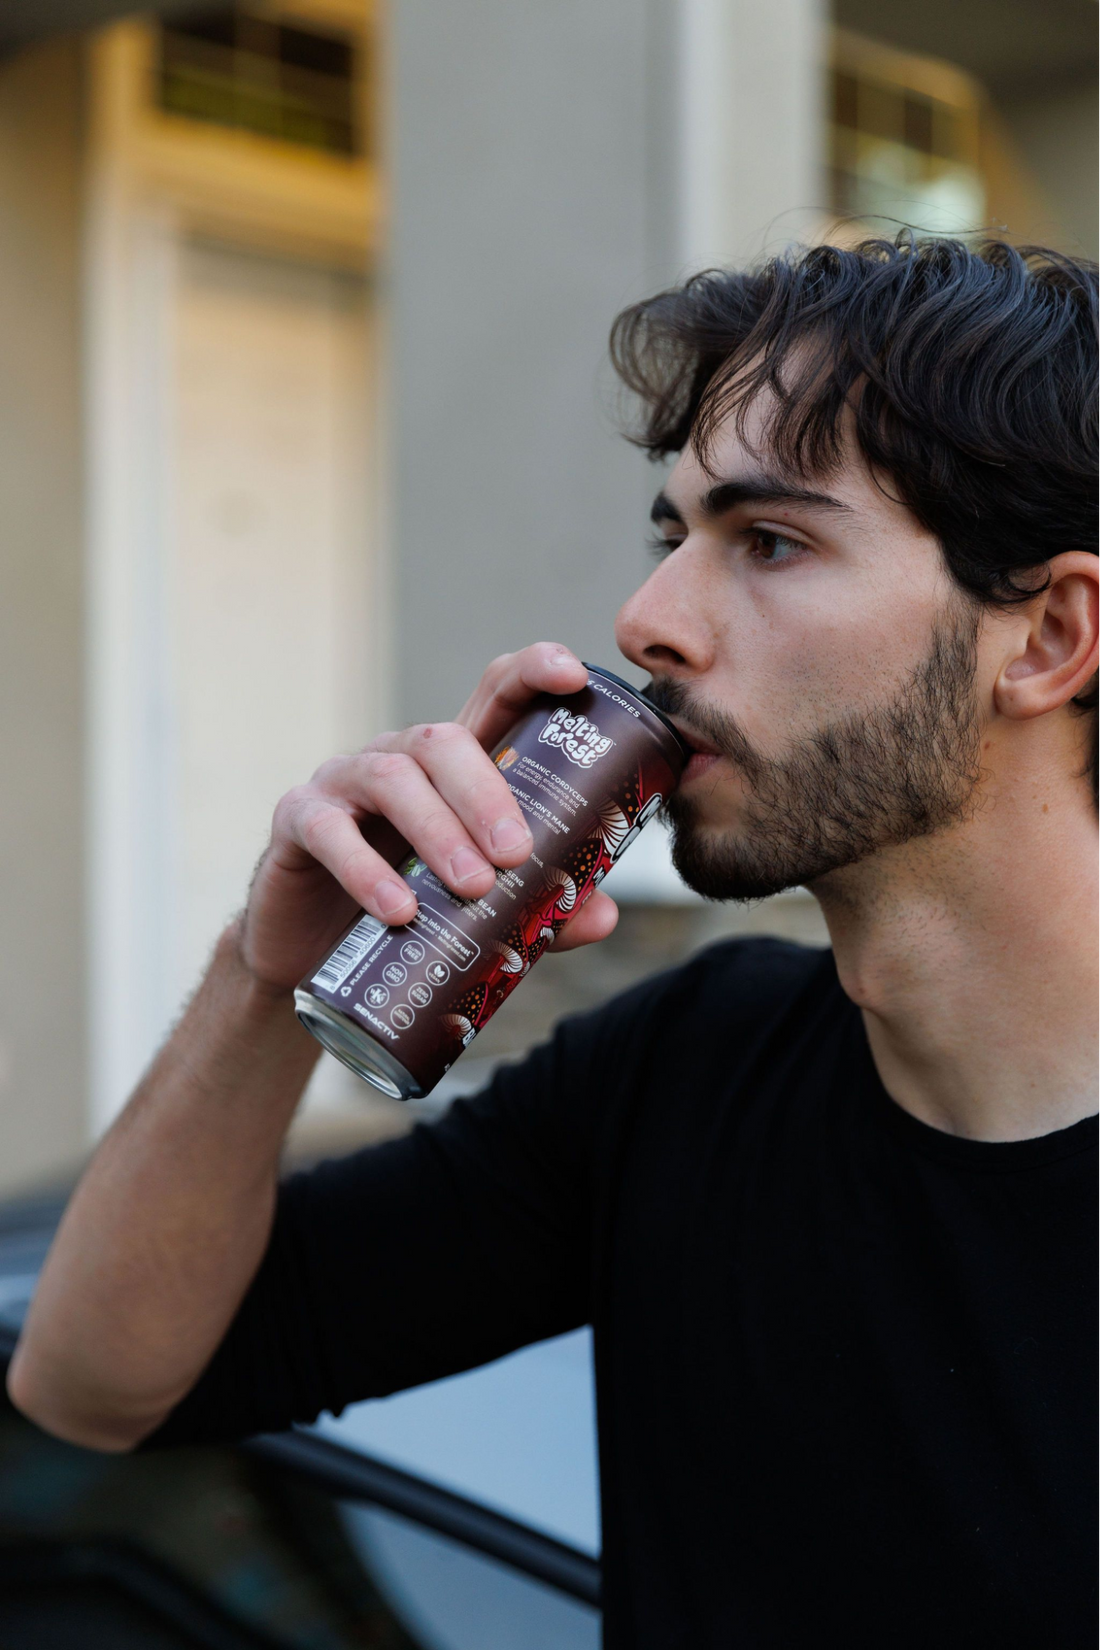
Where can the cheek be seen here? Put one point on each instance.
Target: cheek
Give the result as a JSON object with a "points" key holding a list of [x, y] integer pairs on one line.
{"points": [[816, 658]]}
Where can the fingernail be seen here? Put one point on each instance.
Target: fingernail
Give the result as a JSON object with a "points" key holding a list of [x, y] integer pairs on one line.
{"points": [[508, 834], [391, 897], [466, 863]]}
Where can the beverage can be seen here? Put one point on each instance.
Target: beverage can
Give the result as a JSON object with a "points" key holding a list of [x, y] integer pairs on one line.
{"points": [[399, 1005]]}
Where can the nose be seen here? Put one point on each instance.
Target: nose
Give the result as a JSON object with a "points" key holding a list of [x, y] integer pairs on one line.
{"points": [[669, 626]]}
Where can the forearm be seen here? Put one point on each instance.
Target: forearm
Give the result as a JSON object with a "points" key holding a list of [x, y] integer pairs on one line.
{"points": [[170, 1221]]}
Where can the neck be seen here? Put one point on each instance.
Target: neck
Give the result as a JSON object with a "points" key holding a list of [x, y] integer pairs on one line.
{"points": [[972, 955]]}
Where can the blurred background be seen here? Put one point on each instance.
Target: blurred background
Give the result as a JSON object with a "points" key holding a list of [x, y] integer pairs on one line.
{"points": [[305, 416]]}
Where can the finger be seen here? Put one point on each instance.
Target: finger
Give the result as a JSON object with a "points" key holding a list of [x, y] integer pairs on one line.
{"points": [[595, 920], [512, 681], [440, 789], [307, 822], [394, 784]]}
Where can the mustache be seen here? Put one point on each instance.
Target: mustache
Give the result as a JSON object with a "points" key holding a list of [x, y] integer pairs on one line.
{"points": [[717, 726]]}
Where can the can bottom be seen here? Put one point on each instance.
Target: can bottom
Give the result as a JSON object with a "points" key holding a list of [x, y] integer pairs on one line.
{"points": [[354, 1048]]}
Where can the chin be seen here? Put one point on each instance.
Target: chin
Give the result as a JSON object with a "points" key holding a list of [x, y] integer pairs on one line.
{"points": [[721, 861]]}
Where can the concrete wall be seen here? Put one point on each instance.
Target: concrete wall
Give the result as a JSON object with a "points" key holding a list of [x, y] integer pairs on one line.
{"points": [[751, 91], [519, 229], [42, 1034], [551, 163]]}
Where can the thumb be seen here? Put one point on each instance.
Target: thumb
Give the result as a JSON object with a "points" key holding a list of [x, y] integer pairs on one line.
{"points": [[595, 920]]}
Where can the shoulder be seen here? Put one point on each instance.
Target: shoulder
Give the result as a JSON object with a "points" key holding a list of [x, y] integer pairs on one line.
{"points": [[739, 979], [694, 1031], [727, 997], [765, 973], [540, 1120]]}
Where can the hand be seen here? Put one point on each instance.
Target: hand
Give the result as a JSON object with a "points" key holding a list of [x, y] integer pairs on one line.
{"points": [[432, 788]]}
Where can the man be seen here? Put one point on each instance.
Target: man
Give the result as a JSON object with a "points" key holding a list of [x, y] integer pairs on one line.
{"points": [[829, 1212]]}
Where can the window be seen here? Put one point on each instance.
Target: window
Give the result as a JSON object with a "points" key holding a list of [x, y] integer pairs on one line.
{"points": [[904, 139], [234, 67]]}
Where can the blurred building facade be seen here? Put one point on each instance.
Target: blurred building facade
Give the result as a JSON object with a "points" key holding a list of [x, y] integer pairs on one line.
{"points": [[304, 417]]}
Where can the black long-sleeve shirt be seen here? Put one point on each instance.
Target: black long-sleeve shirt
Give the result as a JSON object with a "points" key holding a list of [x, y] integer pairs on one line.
{"points": [[844, 1361]]}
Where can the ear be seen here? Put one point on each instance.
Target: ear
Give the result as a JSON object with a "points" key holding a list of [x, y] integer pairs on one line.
{"points": [[1057, 656]]}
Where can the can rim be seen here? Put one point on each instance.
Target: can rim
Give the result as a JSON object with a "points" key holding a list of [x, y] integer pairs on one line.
{"points": [[648, 703]]}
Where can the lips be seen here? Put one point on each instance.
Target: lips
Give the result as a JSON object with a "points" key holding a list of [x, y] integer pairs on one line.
{"points": [[701, 746]]}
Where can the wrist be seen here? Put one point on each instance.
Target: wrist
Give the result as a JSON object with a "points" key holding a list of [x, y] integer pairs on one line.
{"points": [[258, 995], [239, 1026], [246, 1011]]}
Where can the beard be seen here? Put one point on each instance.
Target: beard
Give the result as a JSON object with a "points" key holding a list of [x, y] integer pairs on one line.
{"points": [[871, 779]]}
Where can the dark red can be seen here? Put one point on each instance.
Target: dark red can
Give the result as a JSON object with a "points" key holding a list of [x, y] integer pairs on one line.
{"points": [[399, 1005]]}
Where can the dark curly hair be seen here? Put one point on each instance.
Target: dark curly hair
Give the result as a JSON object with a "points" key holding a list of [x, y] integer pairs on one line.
{"points": [[970, 372]]}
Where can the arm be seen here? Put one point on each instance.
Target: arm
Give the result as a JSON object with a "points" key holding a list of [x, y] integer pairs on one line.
{"points": [[171, 1220], [413, 1259]]}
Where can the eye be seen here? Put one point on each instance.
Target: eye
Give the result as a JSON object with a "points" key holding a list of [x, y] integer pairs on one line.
{"points": [[659, 546], [773, 548]]}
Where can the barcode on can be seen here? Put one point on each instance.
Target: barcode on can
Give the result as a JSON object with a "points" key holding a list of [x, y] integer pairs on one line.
{"points": [[348, 954]]}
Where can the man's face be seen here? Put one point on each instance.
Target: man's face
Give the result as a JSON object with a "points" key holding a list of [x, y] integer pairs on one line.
{"points": [[807, 632]]}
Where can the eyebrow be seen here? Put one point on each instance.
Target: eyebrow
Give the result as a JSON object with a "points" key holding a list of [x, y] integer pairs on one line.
{"points": [[761, 489]]}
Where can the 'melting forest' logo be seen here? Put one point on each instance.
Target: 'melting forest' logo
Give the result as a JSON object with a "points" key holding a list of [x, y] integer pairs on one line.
{"points": [[580, 739]]}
